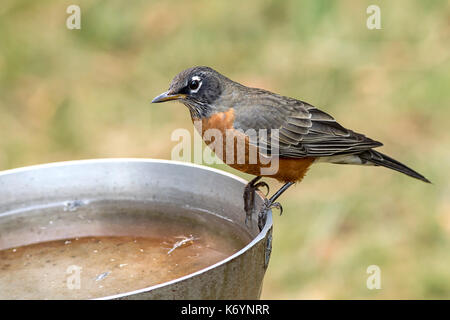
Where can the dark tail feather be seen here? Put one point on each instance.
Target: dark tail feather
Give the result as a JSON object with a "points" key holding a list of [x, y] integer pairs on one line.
{"points": [[380, 159]]}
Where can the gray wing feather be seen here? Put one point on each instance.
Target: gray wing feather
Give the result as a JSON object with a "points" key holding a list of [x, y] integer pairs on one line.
{"points": [[304, 131]]}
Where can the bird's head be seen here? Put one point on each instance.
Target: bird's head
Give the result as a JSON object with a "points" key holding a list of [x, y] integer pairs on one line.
{"points": [[198, 88]]}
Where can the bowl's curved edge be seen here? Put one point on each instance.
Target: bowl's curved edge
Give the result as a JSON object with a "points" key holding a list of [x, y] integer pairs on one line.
{"points": [[261, 244]]}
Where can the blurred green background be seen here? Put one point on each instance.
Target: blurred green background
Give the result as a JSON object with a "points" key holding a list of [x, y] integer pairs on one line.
{"points": [[77, 94]]}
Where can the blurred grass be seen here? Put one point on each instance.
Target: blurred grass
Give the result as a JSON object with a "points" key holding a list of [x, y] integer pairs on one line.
{"points": [[75, 94]]}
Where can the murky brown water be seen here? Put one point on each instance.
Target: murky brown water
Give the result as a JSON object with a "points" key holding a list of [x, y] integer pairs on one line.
{"points": [[92, 267]]}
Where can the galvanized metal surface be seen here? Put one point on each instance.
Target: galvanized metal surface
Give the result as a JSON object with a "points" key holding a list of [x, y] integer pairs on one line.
{"points": [[81, 183]]}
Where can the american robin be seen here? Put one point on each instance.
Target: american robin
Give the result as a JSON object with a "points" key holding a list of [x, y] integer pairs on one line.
{"points": [[304, 135]]}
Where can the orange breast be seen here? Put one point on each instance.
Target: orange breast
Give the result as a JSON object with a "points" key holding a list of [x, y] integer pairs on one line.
{"points": [[232, 147], [292, 170]]}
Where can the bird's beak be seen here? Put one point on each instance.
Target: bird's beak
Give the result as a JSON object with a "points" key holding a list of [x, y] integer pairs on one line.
{"points": [[167, 96]]}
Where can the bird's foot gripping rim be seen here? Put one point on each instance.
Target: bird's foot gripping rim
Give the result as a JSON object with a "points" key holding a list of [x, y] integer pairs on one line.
{"points": [[249, 197], [262, 215]]}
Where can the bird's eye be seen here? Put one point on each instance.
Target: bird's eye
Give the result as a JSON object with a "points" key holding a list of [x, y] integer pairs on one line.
{"points": [[194, 84]]}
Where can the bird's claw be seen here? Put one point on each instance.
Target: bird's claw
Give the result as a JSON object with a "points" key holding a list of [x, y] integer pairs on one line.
{"points": [[249, 197], [278, 206], [269, 205], [263, 212], [262, 184]]}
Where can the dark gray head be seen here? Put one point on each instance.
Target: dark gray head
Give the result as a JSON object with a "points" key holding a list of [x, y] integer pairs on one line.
{"points": [[197, 88]]}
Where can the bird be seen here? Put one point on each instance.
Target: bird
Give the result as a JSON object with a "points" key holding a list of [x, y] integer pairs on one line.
{"points": [[291, 131]]}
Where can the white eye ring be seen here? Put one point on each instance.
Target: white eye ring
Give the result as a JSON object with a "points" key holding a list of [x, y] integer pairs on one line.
{"points": [[196, 78]]}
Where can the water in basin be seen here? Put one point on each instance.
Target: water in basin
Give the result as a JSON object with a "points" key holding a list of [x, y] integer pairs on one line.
{"points": [[110, 247]]}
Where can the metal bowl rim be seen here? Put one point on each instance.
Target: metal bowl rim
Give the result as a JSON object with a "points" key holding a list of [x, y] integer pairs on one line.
{"points": [[260, 236]]}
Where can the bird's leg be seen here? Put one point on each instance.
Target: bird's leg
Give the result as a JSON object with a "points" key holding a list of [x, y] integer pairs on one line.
{"points": [[268, 204], [249, 196]]}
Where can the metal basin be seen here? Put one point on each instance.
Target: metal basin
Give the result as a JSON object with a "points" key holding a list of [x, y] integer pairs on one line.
{"points": [[90, 198]]}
